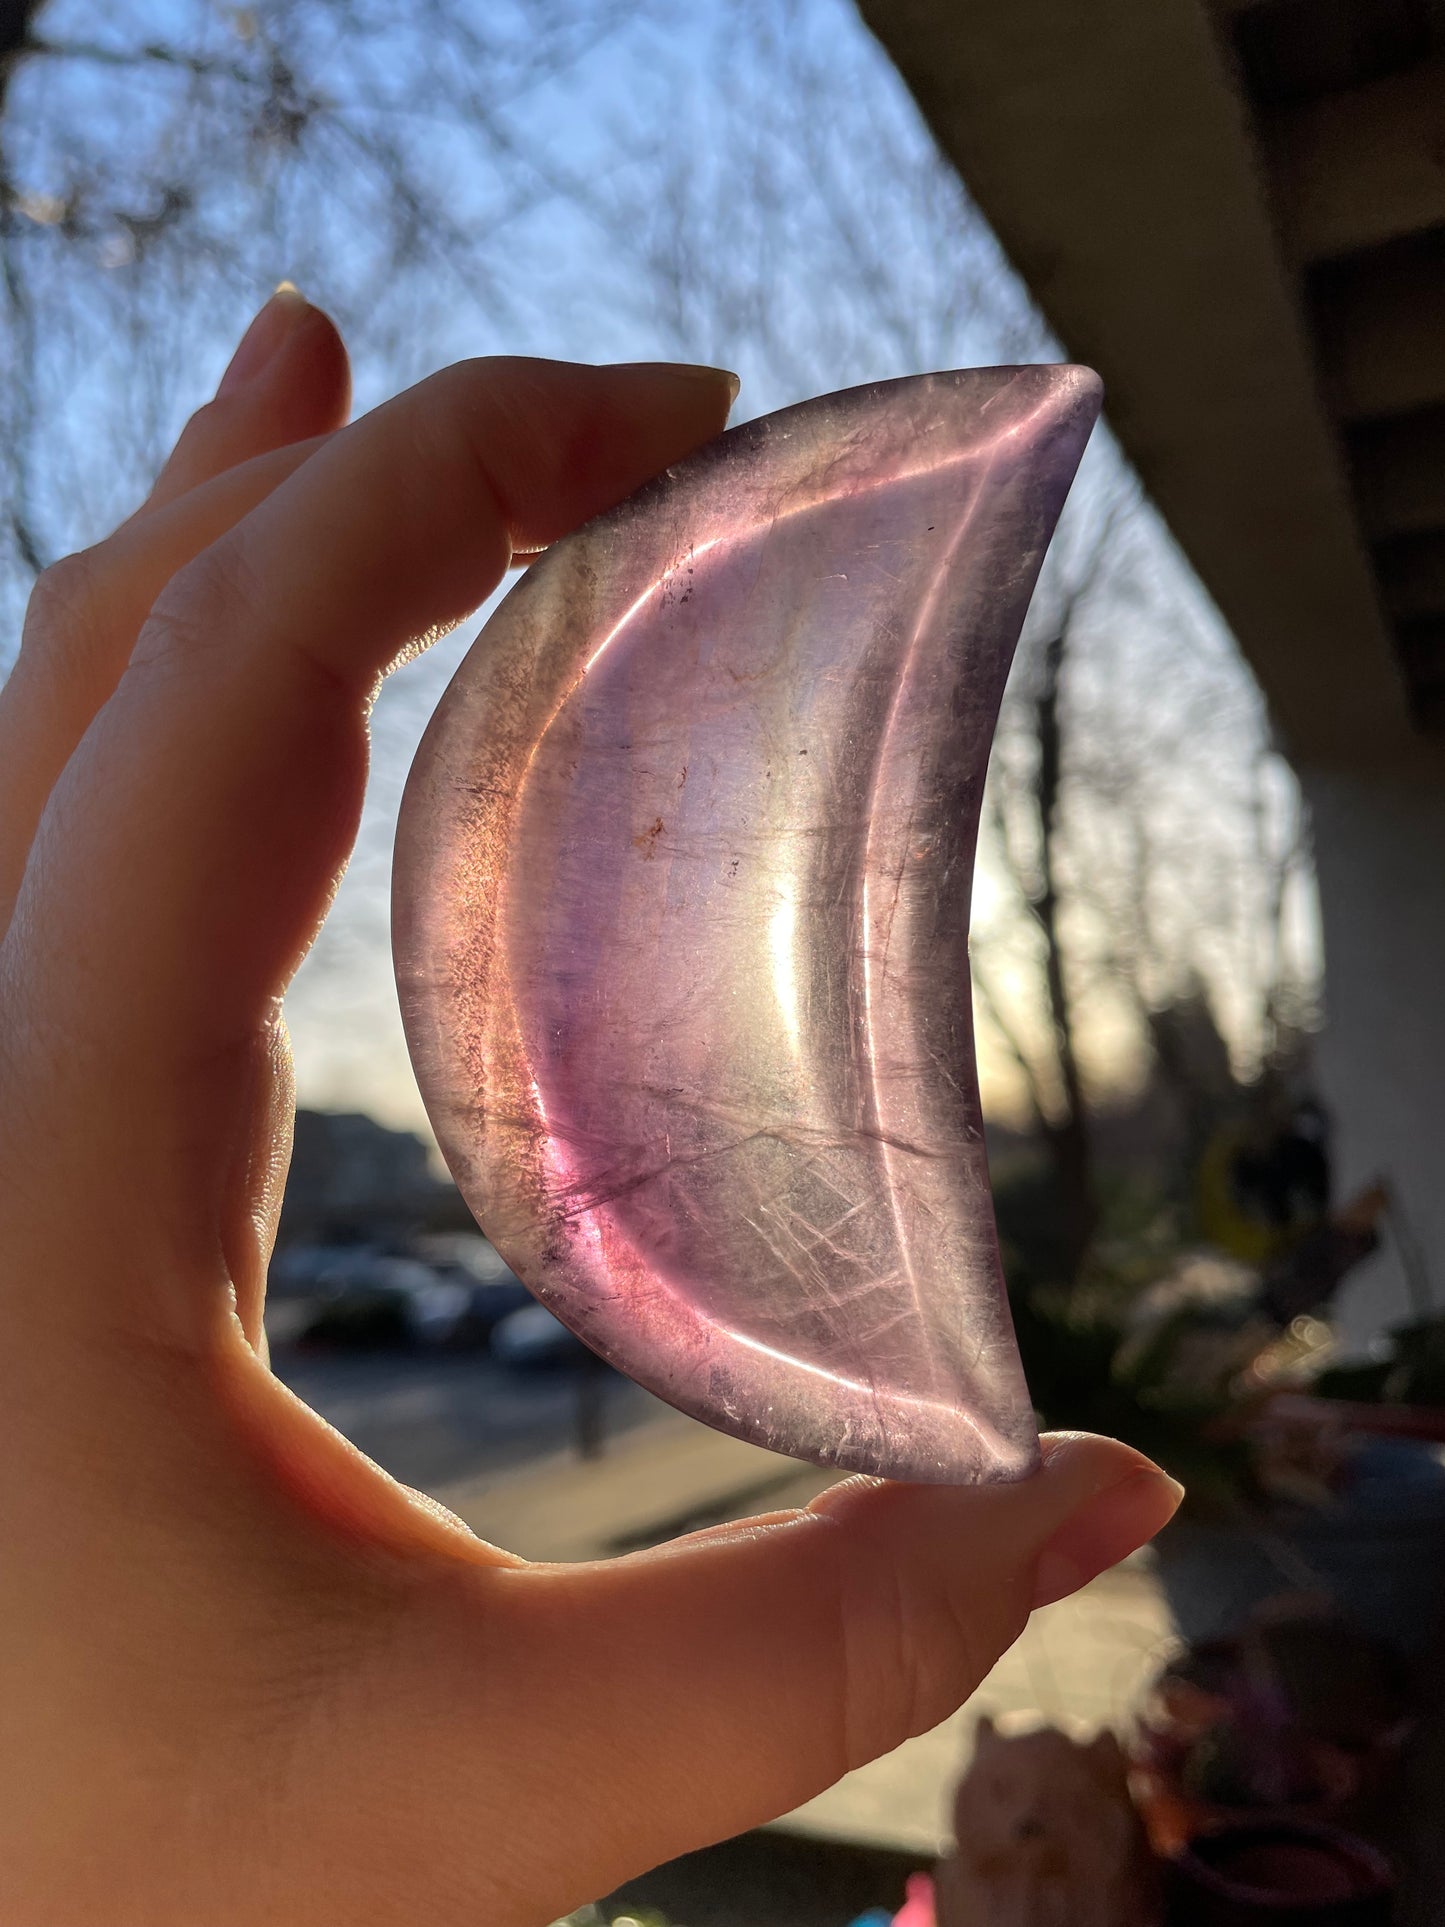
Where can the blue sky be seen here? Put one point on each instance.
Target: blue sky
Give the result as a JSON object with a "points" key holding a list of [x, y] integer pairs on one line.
{"points": [[731, 182]]}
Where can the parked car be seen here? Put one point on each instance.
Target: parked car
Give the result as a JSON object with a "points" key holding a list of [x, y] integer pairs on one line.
{"points": [[487, 1307], [358, 1317], [367, 1300], [357, 1297], [533, 1340]]}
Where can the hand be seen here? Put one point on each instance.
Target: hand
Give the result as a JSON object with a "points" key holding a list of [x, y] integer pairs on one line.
{"points": [[244, 1677]]}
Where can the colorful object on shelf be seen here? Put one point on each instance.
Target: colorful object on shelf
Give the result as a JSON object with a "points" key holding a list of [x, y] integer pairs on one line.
{"points": [[917, 1908], [1300, 1716], [681, 919]]}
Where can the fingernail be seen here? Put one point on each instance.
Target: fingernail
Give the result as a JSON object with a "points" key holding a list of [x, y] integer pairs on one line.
{"points": [[695, 372], [1105, 1529], [267, 334], [699, 371]]}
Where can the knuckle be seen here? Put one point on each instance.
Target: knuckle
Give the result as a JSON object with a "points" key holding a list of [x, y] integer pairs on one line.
{"points": [[454, 417], [204, 420], [475, 404], [211, 420], [65, 633], [913, 1647], [214, 593], [63, 603]]}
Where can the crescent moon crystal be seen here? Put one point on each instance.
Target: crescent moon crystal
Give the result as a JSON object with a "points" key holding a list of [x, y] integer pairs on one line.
{"points": [[681, 915]]}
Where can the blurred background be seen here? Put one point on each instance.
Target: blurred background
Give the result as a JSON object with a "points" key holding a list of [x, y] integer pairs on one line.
{"points": [[1210, 907]]}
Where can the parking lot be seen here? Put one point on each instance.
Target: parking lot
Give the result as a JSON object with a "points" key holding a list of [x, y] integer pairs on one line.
{"points": [[434, 1418]]}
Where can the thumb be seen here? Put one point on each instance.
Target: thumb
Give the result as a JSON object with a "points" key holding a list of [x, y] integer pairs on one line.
{"points": [[753, 1665]]}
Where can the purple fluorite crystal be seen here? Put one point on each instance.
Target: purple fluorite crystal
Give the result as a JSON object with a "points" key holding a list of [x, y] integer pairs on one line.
{"points": [[682, 895]]}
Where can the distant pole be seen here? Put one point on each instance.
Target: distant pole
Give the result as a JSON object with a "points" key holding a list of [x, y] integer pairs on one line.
{"points": [[1412, 1257]]}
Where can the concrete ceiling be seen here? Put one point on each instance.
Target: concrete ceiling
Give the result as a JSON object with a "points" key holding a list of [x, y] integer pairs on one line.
{"points": [[1237, 214]]}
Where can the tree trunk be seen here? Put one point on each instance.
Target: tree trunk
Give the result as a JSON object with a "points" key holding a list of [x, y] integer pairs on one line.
{"points": [[1067, 1137]]}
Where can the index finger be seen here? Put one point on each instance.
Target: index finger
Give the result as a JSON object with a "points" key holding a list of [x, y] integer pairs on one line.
{"points": [[192, 845]]}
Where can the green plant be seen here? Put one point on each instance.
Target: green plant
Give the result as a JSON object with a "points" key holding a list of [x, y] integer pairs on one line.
{"points": [[1088, 1369]]}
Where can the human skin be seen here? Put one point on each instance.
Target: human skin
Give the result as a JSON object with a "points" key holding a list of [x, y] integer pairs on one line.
{"points": [[245, 1677]]}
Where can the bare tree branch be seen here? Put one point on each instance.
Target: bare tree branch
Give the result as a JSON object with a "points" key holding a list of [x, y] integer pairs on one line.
{"points": [[768, 198]]}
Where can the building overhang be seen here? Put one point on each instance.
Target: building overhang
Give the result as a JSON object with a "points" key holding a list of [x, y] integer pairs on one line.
{"points": [[1252, 254]]}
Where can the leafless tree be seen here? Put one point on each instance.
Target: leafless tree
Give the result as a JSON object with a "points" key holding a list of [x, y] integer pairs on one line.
{"points": [[1027, 804], [758, 190], [160, 165], [1156, 858]]}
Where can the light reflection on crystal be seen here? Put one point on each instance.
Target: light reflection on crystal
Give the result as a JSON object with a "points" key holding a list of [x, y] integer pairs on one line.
{"points": [[682, 898]]}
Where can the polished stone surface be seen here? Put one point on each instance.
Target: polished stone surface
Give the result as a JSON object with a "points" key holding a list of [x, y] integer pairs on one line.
{"points": [[681, 918]]}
